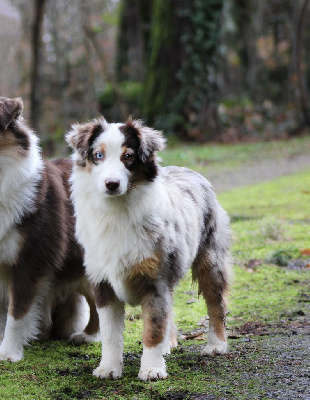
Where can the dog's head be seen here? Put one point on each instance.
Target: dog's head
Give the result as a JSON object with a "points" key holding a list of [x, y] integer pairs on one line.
{"points": [[14, 136], [118, 156]]}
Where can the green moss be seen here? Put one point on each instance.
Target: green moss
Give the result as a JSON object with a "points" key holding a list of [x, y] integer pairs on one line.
{"points": [[159, 74], [132, 92]]}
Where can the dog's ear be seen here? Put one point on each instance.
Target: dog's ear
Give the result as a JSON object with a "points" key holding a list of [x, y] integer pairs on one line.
{"points": [[81, 136], [10, 109], [151, 140]]}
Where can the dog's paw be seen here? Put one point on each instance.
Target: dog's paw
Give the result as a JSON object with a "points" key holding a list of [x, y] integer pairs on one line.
{"points": [[4, 356], [152, 374], [82, 337], [212, 349], [107, 372]]}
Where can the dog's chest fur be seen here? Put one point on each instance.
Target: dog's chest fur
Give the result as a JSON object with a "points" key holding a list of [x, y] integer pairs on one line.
{"points": [[120, 241]]}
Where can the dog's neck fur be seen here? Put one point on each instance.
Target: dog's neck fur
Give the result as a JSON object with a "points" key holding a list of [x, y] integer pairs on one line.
{"points": [[19, 177]]}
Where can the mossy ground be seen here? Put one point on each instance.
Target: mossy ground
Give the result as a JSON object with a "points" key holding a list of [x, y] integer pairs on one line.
{"points": [[267, 322]]}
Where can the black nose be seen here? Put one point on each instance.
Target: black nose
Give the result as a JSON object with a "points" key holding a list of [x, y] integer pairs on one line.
{"points": [[112, 184]]}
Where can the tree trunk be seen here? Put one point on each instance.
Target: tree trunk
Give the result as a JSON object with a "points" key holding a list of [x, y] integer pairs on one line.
{"points": [[109, 77], [300, 77], [39, 6]]}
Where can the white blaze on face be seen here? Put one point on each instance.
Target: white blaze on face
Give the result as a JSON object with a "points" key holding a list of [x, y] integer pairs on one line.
{"points": [[110, 170]]}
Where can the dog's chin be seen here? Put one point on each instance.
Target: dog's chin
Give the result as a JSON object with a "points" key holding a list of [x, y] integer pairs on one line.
{"points": [[109, 194]]}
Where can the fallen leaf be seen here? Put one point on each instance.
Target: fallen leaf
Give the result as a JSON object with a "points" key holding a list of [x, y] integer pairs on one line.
{"points": [[201, 338], [234, 336], [191, 336], [305, 252]]}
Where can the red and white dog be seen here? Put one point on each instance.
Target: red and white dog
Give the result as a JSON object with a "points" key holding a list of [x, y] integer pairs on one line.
{"points": [[142, 227], [42, 278]]}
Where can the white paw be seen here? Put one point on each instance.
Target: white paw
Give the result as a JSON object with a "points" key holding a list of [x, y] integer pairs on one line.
{"points": [[212, 349], [82, 337], [108, 372], [151, 374], [10, 357]]}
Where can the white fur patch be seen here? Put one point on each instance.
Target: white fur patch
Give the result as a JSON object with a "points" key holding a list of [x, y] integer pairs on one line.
{"points": [[111, 319], [19, 332], [18, 180], [215, 345], [9, 247], [153, 364], [111, 168]]}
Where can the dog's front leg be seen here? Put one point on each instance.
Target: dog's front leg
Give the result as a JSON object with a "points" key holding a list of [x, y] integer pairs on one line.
{"points": [[111, 322], [156, 329]]}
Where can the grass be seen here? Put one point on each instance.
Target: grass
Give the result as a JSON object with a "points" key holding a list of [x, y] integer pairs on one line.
{"points": [[266, 295], [223, 157]]}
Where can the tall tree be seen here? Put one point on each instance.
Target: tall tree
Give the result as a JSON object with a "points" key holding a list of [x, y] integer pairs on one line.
{"points": [[39, 6], [303, 95], [180, 85]]}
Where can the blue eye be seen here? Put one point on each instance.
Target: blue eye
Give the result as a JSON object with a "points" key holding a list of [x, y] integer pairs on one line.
{"points": [[99, 155]]}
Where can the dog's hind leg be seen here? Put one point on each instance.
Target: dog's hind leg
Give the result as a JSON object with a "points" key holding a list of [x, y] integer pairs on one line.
{"points": [[22, 325], [212, 280], [3, 309], [92, 328], [91, 331]]}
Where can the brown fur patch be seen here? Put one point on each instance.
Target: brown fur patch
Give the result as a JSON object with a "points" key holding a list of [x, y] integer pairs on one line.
{"points": [[21, 295], [141, 277], [213, 285], [10, 109], [142, 168], [93, 323], [104, 294], [155, 319], [148, 268], [10, 147]]}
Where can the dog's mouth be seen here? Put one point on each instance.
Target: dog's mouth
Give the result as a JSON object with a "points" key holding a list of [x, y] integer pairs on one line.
{"points": [[110, 193]]}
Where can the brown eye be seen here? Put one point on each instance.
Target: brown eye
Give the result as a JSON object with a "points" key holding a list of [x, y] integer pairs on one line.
{"points": [[128, 157]]}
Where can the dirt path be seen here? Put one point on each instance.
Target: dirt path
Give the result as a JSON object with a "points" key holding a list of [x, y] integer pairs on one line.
{"points": [[282, 369], [257, 172]]}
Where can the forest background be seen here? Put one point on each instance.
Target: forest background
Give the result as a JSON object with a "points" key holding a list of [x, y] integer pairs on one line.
{"points": [[216, 70], [212, 74]]}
